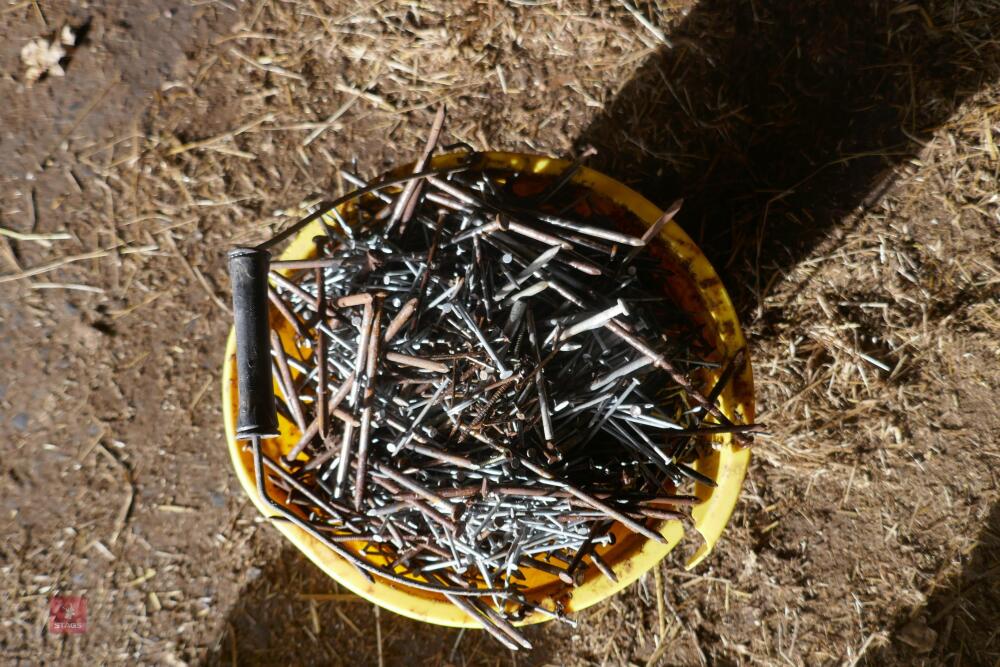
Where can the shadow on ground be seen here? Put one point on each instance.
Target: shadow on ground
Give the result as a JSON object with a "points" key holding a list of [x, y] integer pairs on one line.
{"points": [[776, 120], [960, 624], [779, 123], [290, 610]]}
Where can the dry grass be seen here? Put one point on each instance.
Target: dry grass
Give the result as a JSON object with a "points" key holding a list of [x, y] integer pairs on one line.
{"points": [[870, 517]]}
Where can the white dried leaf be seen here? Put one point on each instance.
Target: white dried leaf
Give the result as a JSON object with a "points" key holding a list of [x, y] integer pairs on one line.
{"points": [[67, 36], [41, 57]]}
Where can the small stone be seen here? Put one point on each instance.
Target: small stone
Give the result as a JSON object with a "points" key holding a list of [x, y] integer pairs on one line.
{"points": [[20, 421], [918, 635]]}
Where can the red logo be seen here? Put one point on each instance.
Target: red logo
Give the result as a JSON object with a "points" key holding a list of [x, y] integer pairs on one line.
{"points": [[68, 615]]}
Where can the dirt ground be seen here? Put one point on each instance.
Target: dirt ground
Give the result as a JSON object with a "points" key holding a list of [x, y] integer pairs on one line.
{"points": [[839, 161]]}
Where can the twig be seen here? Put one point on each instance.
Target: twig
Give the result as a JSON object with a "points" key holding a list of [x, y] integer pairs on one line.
{"points": [[660, 650], [41, 15], [202, 143], [93, 254], [232, 644], [68, 286], [8, 252], [197, 275], [863, 649], [331, 597], [126, 507], [199, 394], [661, 620], [42, 239], [344, 108], [645, 23], [273, 69], [328, 123], [378, 636]]}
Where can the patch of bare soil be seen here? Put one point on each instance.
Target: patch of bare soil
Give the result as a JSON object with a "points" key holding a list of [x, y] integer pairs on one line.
{"points": [[839, 164]]}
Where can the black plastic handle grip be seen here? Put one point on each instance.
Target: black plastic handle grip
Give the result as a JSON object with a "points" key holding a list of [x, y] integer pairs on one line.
{"points": [[248, 269]]}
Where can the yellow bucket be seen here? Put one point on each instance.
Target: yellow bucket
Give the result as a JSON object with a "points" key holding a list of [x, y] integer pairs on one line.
{"points": [[694, 286]]}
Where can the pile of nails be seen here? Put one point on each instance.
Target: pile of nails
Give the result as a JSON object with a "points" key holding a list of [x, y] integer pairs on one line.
{"points": [[486, 378]]}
